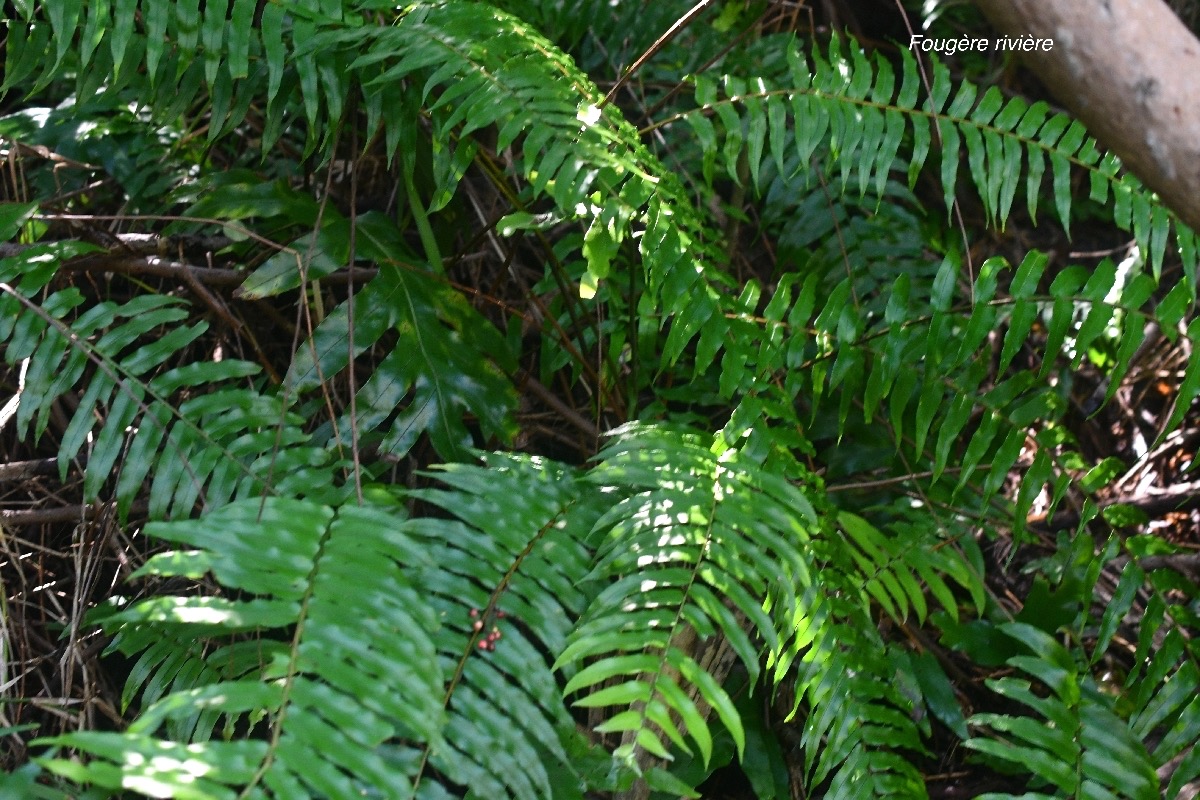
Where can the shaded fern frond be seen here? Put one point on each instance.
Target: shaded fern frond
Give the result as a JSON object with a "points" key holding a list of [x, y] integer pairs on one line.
{"points": [[209, 448], [1132, 736], [846, 328], [900, 567], [854, 330], [939, 372], [1083, 748], [1164, 684]]}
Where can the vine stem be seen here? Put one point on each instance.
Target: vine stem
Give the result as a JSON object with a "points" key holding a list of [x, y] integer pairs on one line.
{"points": [[487, 616], [293, 669], [659, 44]]}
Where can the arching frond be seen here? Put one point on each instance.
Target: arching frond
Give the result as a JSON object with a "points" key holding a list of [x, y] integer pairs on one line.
{"points": [[213, 447], [452, 623], [688, 527], [301, 690]]}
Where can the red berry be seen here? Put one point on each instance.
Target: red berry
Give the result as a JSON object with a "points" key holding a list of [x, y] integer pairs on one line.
{"points": [[474, 613]]}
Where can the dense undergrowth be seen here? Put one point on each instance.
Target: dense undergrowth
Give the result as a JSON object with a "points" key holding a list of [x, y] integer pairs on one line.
{"points": [[410, 402]]}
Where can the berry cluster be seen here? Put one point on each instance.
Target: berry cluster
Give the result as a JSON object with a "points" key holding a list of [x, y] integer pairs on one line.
{"points": [[488, 641]]}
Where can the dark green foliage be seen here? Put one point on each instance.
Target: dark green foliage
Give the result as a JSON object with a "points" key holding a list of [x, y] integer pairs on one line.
{"points": [[347, 638], [209, 448]]}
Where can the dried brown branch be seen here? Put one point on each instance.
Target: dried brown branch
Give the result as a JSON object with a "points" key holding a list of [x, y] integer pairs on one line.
{"points": [[569, 414], [1152, 502], [146, 244], [70, 513], [20, 470], [164, 268], [1186, 564]]}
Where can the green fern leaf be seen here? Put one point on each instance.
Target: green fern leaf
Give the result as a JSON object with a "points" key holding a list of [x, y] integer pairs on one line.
{"points": [[294, 562], [1087, 748], [513, 570], [679, 540]]}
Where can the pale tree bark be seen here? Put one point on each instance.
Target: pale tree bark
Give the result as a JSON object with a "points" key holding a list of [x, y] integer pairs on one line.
{"points": [[1130, 70]]}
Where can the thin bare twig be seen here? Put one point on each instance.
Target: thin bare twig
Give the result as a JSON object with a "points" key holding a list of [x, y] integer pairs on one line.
{"points": [[569, 414], [209, 276], [659, 44]]}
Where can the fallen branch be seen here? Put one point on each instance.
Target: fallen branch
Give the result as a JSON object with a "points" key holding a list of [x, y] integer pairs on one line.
{"points": [[1186, 564], [1153, 503], [146, 244], [586, 426], [20, 470], [47, 516], [209, 276]]}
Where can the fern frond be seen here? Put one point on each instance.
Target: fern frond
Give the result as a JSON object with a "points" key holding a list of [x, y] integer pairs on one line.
{"points": [[476, 70], [506, 577], [849, 106], [217, 445], [860, 733], [1130, 738], [484, 70], [695, 543], [331, 696], [441, 628], [899, 569], [925, 363], [857, 726], [1165, 681], [1084, 748], [857, 339]]}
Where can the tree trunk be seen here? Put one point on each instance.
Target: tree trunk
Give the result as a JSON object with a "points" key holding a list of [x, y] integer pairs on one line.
{"points": [[1128, 69]]}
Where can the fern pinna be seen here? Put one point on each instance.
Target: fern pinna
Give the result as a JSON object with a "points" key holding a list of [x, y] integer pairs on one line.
{"points": [[344, 638]]}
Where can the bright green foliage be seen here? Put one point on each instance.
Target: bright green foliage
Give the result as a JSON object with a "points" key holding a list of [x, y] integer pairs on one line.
{"points": [[853, 681], [691, 526], [521, 567], [851, 108], [344, 645], [654, 566], [340, 711], [290, 561]]}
